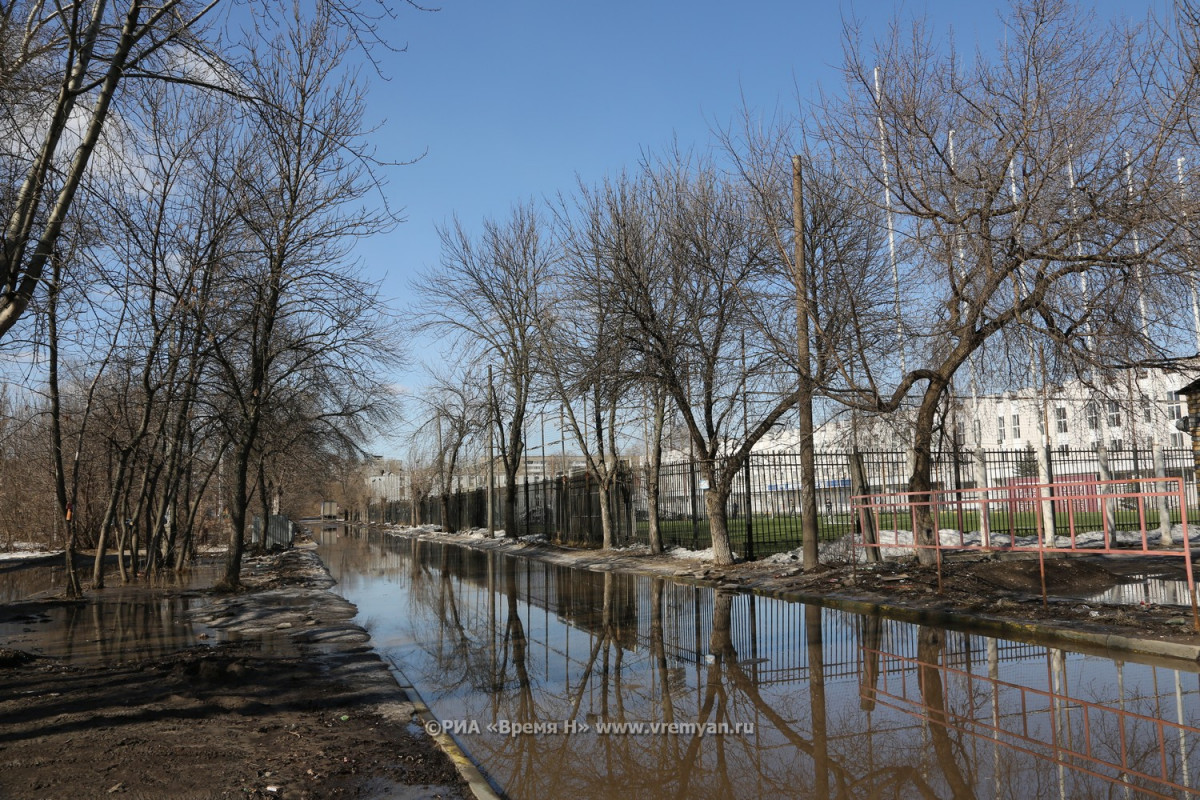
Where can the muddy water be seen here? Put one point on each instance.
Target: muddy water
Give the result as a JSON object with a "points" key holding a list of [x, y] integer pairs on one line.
{"points": [[571, 684], [117, 624], [19, 581]]}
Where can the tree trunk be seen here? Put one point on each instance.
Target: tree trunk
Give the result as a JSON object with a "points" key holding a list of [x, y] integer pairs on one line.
{"points": [[654, 533], [510, 502], [714, 504], [110, 514], [187, 548], [56, 438], [929, 652], [921, 481], [237, 515], [606, 515]]}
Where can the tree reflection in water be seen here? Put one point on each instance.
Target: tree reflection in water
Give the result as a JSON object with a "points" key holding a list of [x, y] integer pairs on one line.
{"points": [[842, 706]]}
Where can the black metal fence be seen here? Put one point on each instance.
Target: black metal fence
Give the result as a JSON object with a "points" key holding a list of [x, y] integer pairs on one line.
{"points": [[278, 533], [763, 508]]}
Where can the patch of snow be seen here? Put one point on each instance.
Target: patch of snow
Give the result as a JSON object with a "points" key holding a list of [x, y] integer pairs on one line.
{"points": [[900, 542], [28, 555], [411, 529], [698, 555], [480, 533], [790, 557]]}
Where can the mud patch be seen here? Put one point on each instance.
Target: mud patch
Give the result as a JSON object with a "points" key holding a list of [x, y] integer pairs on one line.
{"points": [[266, 714], [1066, 577]]}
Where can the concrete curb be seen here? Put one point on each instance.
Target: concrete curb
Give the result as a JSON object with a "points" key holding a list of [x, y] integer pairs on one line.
{"points": [[478, 783]]}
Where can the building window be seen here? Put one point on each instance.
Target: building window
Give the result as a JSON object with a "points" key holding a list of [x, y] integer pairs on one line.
{"points": [[1174, 407], [960, 433], [1060, 419], [1000, 430], [1093, 416], [977, 430], [1016, 429], [1115, 445], [1147, 410], [1176, 440], [1114, 414], [1065, 449]]}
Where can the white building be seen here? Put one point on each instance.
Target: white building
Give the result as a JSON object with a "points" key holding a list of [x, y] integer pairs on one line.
{"points": [[1138, 410], [998, 437], [387, 481]]}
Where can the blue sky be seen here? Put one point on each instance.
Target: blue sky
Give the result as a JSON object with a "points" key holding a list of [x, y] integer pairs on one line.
{"points": [[512, 100]]}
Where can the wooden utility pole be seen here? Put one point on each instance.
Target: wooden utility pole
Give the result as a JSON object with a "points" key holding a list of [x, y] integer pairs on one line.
{"points": [[491, 490], [808, 488]]}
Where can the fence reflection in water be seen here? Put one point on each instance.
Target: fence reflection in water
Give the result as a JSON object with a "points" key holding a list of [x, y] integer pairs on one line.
{"points": [[1119, 739]]}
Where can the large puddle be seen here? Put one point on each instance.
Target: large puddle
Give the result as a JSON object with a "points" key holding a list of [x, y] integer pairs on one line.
{"points": [[117, 624], [22, 580], [563, 683]]}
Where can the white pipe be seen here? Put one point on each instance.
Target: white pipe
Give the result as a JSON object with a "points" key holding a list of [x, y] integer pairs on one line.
{"points": [[1137, 251], [1083, 281], [887, 204], [1191, 274]]}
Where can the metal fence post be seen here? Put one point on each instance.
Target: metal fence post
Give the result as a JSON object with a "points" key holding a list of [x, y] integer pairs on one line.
{"points": [[693, 503], [749, 513]]}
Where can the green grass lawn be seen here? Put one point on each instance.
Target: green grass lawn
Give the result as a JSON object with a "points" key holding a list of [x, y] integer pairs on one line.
{"points": [[778, 534]]}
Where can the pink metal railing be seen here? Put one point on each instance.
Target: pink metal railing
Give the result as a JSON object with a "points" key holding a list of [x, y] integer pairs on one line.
{"points": [[1048, 502]]}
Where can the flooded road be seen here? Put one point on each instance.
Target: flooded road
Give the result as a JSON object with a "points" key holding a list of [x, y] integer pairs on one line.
{"points": [[563, 683]]}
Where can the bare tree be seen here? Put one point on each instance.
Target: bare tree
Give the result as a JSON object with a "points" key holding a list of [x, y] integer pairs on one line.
{"points": [[177, 226], [92, 46], [296, 318], [826, 250], [1025, 195], [457, 408], [690, 319], [585, 353], [487, 295], [62, 82]]}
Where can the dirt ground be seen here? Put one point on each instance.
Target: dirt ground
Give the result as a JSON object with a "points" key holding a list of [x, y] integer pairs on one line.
{"points": [[1009, 587], [295, 705]]}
